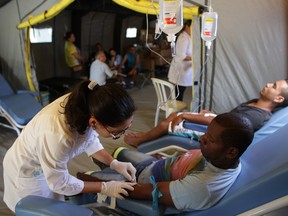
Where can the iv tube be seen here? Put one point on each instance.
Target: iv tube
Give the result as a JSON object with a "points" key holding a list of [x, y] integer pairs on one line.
{"points": [[173, 48]]}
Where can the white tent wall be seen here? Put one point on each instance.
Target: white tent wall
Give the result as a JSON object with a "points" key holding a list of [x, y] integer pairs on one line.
{"points": [[251, 50], [12, 40]]}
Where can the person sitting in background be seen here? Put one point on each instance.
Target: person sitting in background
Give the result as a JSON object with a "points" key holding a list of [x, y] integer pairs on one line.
{"points": [[131, 63], [114, 62], [92, 56], [272, 96], [73, 58], [114, 59], [199, 178], [99, 70], [98, 47]]}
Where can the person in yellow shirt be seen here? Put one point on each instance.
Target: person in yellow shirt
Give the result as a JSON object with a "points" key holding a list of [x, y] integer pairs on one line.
{"points": [[73, 58]]}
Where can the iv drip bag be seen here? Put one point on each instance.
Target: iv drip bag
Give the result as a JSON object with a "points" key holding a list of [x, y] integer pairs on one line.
{"points": [[171, 19], [209, 27]]}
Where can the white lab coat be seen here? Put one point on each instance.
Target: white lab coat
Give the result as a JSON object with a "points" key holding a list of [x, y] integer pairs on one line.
{"points": [[36, 164], [180, 71]]}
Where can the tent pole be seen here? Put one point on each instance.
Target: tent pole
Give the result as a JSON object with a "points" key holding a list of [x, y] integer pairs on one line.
{"points": [[203, 75]]}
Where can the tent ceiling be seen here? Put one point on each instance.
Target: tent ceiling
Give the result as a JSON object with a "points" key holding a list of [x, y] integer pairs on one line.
{"points": [[3, 2], [106, 6], [109, 6]]}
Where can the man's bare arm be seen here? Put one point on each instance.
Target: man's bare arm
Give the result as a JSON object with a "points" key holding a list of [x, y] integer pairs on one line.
{"points": [[79, 57], [144, 192], [197, 118]]}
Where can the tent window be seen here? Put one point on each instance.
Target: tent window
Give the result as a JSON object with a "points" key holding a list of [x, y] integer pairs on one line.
{"points": [[41, 35], [131, 32]]}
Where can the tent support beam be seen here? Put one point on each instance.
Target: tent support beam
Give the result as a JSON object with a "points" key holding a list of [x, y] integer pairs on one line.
{"points": [[196, 3]]}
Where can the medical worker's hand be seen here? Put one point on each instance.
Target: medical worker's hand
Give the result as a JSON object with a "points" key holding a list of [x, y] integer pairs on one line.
{"points": [[116, 189], [124, 168]]}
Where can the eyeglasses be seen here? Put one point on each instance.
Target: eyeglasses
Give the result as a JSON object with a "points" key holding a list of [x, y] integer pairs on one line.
{"points": [[118, 135]]}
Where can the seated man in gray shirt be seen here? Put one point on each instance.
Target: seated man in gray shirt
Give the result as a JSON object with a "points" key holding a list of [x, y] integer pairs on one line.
{"points": [[199, 178]]}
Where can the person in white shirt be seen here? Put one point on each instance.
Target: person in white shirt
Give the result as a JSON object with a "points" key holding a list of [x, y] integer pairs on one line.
{"points": [[99, 70], [198, 178], [36, 164], [180, 71]]}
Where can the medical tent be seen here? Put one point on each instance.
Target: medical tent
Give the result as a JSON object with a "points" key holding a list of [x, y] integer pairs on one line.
{"points": [[250, 48]]}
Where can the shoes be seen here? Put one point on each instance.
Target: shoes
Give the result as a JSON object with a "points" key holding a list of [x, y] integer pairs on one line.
{"points": [[123, 84]]}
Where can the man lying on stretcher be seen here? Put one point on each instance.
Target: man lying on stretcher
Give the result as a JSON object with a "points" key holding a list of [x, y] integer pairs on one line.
{"points": [[259, 111]]}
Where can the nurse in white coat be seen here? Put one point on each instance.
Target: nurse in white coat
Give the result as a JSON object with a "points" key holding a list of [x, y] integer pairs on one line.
{"points": [[180, 71], [36, 164]]}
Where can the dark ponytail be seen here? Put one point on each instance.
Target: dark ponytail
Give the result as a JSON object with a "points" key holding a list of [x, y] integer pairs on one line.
{"points": [[186, 23], [110, 104]]}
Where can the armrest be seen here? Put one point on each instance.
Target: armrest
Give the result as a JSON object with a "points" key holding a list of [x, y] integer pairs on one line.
{"points": [[34, 94], [194, 126], [173, 142], [36, 205], [168, 142]]}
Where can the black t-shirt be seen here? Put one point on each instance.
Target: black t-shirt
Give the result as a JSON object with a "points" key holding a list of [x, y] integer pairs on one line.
{"points": [[257, 116]]}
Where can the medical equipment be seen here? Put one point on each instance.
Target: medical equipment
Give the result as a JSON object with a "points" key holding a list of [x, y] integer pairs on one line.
{"points": [[209, 27], [171, 20]]}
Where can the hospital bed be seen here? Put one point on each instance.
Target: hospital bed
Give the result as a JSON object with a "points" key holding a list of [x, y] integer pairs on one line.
{"points": [[261, 186]]}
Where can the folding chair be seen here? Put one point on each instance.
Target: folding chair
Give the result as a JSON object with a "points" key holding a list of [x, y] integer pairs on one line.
{"points": [[18, 108], [147, 70], [166, 97]]}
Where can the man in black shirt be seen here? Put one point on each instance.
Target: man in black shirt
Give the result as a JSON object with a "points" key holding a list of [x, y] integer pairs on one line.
{"points": [[272, 96]]}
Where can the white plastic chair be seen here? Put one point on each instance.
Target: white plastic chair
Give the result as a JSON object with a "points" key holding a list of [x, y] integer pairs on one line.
{"points": [[166, 96]]}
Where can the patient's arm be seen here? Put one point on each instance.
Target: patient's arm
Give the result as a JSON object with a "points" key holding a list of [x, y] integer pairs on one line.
{"points": [[144, 192], [198, 118], [135, 139]]}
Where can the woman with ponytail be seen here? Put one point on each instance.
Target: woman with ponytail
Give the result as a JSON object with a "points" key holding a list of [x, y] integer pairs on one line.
{"points": [[36, 164], [180, 71]]}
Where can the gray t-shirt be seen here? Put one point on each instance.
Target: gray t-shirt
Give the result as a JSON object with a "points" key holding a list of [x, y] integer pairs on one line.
{"points": [[203, 187], [257, 116]]}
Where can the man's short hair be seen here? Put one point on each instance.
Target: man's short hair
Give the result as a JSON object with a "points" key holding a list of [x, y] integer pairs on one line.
{"points": [[284, 93], [98, 53], [238, 130]]}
